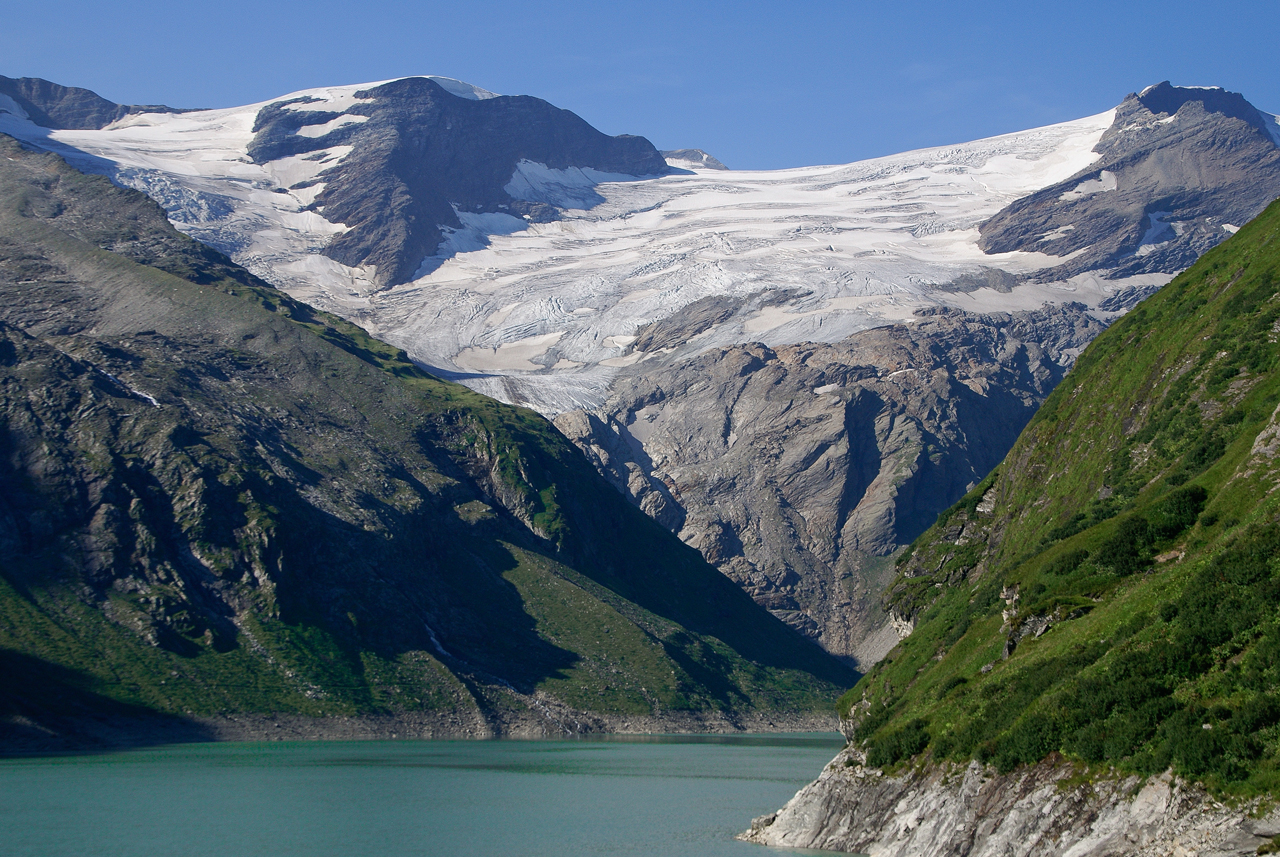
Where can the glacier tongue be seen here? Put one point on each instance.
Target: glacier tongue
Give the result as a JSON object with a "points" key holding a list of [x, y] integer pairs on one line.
{"points": [[551, 310]]}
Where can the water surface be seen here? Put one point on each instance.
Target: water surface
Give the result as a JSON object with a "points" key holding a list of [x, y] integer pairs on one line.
{"points": [[661, 795]]}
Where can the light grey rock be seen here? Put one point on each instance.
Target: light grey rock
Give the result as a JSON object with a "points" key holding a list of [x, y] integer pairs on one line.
{"points": [[692, 159], [799, 471], [953, 810], [1180, 168]]}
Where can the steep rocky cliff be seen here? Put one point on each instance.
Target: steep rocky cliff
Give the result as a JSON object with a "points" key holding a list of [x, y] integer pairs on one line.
{"points": [[798, 471], [1048, 810]]}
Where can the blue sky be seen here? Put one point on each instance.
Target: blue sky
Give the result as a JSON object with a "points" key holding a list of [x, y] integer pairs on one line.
{"points": [[759, 85]]}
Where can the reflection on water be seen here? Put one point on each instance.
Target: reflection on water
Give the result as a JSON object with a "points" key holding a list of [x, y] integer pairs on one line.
{"points": [[642, 795]]}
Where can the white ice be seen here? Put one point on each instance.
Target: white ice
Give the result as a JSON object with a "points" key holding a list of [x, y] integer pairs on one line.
{"points": [[1106, 181], [1272, 123], [546, 314]]}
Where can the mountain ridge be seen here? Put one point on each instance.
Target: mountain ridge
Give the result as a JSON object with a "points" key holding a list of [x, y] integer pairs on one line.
{"points": [[628, 281], [1095, 620], [220, 503]]}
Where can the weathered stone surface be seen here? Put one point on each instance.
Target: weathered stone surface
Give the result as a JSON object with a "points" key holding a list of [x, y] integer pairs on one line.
{"points": [[68, 107], [798, 471], [972, 811], [1179, 169], [424, 152]]}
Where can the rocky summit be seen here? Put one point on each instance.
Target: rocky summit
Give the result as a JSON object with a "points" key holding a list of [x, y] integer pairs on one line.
{"points": [[1178, 171], [421, 154]]}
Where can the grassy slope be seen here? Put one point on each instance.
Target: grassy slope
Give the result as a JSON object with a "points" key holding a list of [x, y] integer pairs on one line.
{"points": [[1137, 519], [280, 532]]}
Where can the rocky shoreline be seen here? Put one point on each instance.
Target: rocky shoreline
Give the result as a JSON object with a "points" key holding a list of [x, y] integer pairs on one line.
{"points": [[1050, 808], [21, 735]]}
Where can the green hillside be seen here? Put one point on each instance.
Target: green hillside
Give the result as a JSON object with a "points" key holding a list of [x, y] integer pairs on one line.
{"points": [[216, 500], [1112, 591]]}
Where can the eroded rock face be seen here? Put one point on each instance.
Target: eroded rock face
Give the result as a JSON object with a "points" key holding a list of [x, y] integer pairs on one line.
{"points": [[799, 471], [1180, 169], [421, 154], [51, 105], [972, 811]]}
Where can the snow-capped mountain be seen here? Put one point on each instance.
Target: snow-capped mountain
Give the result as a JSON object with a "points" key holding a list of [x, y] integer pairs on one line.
{"points": [[506, 243]]}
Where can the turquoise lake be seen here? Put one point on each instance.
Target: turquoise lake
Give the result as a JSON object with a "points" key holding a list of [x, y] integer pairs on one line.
{"points": [[660, 795]]}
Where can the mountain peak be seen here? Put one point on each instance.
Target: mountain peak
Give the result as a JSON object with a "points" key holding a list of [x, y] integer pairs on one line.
{"points": [[1165, 99], [58, 107]]}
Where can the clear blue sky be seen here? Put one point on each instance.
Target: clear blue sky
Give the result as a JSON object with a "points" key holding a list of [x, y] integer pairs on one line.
{"points": [[759, 85]]}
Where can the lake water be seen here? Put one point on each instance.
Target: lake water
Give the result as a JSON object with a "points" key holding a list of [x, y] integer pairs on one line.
{"points": [[671, 796]]}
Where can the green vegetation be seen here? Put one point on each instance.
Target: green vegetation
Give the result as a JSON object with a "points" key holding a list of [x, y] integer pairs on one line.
{"points": [[1112, 593], [215, 500]]}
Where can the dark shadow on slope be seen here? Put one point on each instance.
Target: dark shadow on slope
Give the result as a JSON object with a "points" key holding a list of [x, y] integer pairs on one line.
{"points": [[46, 708]]}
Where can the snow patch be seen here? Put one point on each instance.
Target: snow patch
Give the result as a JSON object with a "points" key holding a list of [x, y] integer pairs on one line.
{"points": [[332, 125], [305, 169], [8, 105], [1272, 124], [1158, 234], [462, 89], [515, 356], [476, 231], [571, 188], [1106, 181], [1060, 232]]}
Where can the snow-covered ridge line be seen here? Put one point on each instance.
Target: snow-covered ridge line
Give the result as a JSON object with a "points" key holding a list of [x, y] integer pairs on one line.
{"points": [[546, 311], [866, 243]]}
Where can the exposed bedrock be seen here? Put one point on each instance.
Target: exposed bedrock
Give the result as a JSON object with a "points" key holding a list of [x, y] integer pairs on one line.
{"points": [[51, 105], [799, 471], [423, 152], [1046, 809], [1179, 169]]}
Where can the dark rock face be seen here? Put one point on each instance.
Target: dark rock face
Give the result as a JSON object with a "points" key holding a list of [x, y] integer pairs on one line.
{"points": [[68, 107], [798, 471], [423, 151], [1178, 165], [704, 314]]}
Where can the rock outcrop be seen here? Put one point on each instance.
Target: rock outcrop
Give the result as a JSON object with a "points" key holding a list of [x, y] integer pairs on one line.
{"points": [[420, 154], [54, 106], [692, 159], [798, 471], [1180, 169], [1052, 809]]}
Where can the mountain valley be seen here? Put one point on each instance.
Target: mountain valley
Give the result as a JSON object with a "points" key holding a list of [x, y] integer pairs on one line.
{"points": [[221, 507], [794, 372]]}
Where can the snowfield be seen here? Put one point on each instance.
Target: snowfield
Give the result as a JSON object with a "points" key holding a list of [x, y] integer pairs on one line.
{"points": [[546, 314]]}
